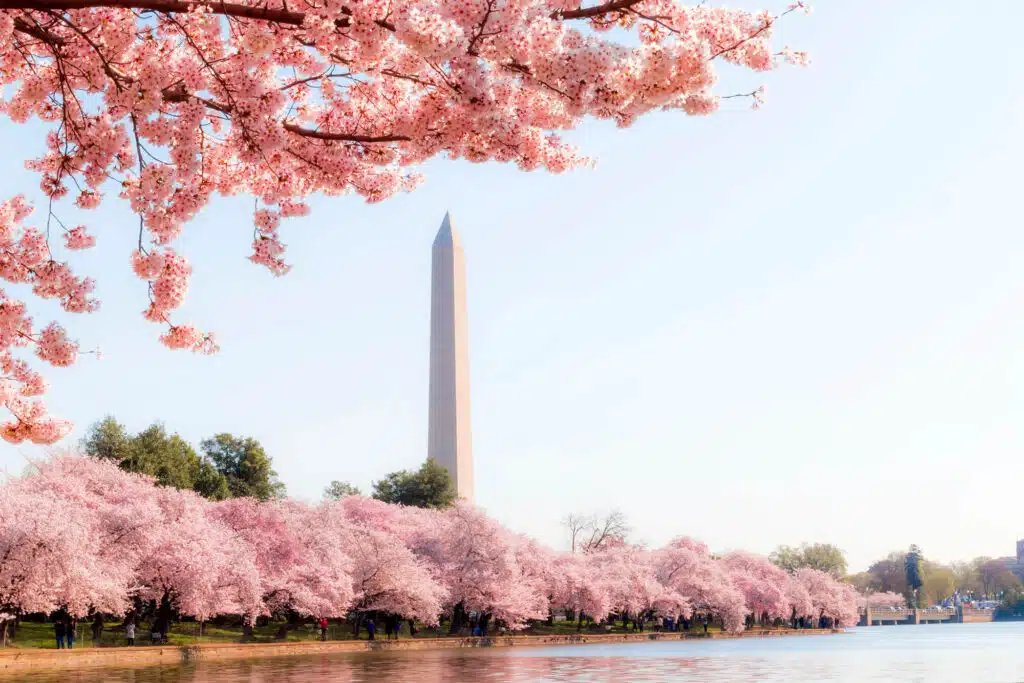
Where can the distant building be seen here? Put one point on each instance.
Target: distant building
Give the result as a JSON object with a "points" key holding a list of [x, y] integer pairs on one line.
{"points": [[1017, 567]]}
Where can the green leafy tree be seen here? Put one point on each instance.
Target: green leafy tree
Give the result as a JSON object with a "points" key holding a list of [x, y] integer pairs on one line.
{"points": [[429, 487], [821, 556], [168, 458], [208, 482], [937, 583], [245, 465], [337, 490], [912, 564], [108, 440]]}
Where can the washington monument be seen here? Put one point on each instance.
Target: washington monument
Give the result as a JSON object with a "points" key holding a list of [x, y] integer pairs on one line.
{"points": [[449, 440]]}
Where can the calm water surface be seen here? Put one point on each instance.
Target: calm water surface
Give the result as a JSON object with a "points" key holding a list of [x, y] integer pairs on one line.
{"points": [[993, 653]]}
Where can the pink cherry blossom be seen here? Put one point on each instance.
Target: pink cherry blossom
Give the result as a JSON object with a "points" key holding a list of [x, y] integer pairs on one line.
{"points": [[762, 584], [282, 101], [81, 533], [78, 238], [877, 600], [687, 567], [831, 599], [300, 563]]}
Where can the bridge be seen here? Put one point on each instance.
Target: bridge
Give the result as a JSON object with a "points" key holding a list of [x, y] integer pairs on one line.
{"points": [[880, 616]]}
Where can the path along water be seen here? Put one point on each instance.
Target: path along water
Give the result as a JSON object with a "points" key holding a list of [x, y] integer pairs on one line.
{"points": [[989, 653]]}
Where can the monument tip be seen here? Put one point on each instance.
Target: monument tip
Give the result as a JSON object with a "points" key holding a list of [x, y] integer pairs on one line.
{"points": [[446, 236]]}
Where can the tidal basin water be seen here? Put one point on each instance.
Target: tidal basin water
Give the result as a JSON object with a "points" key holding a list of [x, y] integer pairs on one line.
{"points": [[989, 653]]}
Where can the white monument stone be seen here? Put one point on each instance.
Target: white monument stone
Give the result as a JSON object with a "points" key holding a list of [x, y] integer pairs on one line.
{"points": [[449, 440]]}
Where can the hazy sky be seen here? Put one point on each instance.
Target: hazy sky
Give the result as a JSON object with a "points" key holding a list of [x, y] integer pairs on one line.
{"points": [[797, 324]]}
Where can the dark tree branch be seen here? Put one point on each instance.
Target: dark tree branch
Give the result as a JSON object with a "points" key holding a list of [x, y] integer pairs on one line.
{"points": [[343, 137]]}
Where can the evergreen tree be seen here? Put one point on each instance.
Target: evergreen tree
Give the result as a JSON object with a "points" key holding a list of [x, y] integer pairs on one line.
{"points": [[429, 487], [168, 458], [245, 465], [913, 565], [337, 490]]}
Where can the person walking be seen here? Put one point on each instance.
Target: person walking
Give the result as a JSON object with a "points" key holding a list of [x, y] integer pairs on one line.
{"points": [[59, 631], [371, 628], [72, 626], [323, 628], [129, 633]]}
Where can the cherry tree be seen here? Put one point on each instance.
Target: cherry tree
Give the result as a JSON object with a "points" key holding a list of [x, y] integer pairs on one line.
{"points": [[195, 563], [388, 577], [85, 524], [831, 599], [881, 600], [798, 599], [420, 529], [50, 558], [167, 103], [762, 584], [627, 572], [300, 563], [687, 567], [579, 586], [482, 569]]}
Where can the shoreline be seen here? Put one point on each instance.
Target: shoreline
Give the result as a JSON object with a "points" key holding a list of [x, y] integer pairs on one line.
{"points": [[15, 659]]}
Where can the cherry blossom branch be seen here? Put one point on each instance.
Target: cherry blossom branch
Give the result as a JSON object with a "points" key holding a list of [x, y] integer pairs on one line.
{"points": [[596, 10], [228, 9], [345, 137]]}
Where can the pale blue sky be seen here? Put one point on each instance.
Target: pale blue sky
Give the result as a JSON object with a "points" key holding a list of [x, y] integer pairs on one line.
{"points": [[756, 328]]}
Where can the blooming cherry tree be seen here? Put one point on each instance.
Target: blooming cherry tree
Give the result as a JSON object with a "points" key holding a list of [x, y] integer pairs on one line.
{"points": [[167, 103], [388, 577], [482, 569], [687, 567], [301, 564], [195, 562], [81, 534], [762, 583], [881, 600], [831, 599]]}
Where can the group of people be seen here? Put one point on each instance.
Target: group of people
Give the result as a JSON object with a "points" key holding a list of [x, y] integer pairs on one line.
{"points": [[65, 630], [392, 627]]}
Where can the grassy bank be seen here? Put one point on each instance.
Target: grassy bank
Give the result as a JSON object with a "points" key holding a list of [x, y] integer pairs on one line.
{"points": [[41, 635]]}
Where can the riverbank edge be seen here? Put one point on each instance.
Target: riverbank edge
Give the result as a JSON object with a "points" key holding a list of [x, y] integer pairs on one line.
{"points": [[12, 659]]}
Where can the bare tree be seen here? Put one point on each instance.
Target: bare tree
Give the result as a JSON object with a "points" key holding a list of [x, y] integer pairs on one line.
{"points": [[588, 533], [576, 525]]}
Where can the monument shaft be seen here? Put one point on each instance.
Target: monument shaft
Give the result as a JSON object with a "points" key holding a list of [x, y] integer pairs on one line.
{"points": [[449, 440]]}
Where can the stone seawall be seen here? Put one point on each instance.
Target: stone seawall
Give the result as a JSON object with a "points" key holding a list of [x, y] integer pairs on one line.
{"points": [[12, 659]]}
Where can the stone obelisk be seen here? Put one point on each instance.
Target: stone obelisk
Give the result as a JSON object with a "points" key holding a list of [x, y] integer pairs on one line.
{"points": [[449, 440]]}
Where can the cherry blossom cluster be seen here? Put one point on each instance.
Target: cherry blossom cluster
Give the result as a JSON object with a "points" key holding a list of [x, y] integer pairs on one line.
{"points": [[81, 533], [881, 600], [167, 104]]}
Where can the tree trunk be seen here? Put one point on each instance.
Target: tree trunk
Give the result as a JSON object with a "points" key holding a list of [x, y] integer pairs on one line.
{"points": [[162, 622], [97, 630], [292, 623], [458, 616], [484, 620], [579, 622]]}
